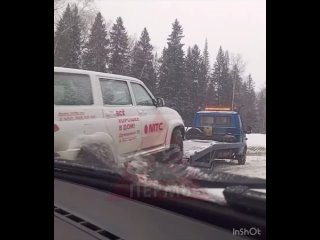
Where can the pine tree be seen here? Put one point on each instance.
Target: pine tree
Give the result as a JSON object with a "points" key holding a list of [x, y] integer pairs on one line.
{"points": [[242, 103], [96, 53], [193, 63], [163, 80], [205, 60], [211, 94], [252, 111], [172, 82], [204, 77], [191, 78], [119, 50], [261, 104], [237, 87], [226, 59], [67, 39], [226, 82], [218, 80], [142, 61], [156, 66], [76, 39], [61, 38], [247, 104]]}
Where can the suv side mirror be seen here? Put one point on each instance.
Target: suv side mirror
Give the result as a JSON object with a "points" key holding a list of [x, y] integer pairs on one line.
{"points": [[159, 102]]}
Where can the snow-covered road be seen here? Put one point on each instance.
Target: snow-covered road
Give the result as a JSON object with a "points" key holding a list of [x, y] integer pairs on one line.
{"points": [[175, 179], [256, 159], [255, 167]]}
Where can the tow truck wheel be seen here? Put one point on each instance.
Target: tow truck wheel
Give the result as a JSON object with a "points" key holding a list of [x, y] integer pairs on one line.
{"points": [[242, 159], [176, 146]]}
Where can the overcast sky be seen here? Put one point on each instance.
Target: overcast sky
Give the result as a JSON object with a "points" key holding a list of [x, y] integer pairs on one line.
{"points": [[239, 26]]}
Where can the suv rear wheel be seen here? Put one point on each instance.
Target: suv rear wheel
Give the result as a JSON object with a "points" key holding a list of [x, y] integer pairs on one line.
{"points": [[98, 155]]}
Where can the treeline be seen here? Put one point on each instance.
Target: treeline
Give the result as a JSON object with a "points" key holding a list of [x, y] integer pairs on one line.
{"points": [[186, 80]]}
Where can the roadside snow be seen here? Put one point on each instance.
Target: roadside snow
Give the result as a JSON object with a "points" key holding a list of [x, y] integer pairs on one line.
{"points": [[255, 167], [256, 139]]}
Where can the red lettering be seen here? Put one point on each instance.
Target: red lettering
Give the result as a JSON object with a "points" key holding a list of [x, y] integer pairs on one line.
{"points": [[65, 114], [154, 127], [151, 128], [120, 113], [128, 126]]}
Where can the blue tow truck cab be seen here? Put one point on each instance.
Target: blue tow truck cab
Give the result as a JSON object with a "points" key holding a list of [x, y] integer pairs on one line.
{"points": [[221, 125]]}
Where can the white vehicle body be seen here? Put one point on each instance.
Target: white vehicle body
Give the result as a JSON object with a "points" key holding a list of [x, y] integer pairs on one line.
{"points": [[105, 108]]}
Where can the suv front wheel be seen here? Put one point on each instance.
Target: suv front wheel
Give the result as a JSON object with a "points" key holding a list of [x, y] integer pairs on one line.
{"points": [[175, 152]]}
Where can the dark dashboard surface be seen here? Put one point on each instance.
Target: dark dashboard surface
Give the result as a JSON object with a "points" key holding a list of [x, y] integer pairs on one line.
{"points": [[85, 213]]}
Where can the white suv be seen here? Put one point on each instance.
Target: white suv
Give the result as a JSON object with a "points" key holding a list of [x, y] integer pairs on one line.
{"points": [[97, 111]]}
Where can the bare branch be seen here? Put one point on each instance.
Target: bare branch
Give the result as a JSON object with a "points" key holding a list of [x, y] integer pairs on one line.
{"points": [[237, 60], [86, 10], [132, 40]]}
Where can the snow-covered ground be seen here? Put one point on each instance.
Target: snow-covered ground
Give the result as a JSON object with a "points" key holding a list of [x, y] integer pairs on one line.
{"points": [[256, 144], [175, 179], [255, 167], [256, 159], [256, 139]]}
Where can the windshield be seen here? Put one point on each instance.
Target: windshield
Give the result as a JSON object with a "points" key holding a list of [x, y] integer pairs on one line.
{"points": [[109, 63]]}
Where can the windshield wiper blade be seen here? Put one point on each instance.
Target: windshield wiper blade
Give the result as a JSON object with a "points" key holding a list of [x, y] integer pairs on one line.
{"points": [[88, 171], [244, 199], [223, 180]]}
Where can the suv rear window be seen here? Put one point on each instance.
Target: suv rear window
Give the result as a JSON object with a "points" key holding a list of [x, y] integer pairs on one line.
{"points": [[72, 89], [215, 120]]}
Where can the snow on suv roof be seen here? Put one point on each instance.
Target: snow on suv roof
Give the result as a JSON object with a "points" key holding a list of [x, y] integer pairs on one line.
{"points": [[107, 75]]}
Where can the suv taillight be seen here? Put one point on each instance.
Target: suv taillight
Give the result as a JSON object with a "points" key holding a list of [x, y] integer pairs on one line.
{"points": [[56, 128]]}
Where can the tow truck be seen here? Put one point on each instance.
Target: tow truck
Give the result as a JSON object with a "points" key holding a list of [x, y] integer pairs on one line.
{"points": [[216, 133]]}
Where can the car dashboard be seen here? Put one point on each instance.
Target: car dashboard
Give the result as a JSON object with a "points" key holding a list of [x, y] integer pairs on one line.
{"points": [[82, 212]]}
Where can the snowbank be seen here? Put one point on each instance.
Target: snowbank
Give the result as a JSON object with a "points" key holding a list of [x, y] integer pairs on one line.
{"points": [[256, 139]]}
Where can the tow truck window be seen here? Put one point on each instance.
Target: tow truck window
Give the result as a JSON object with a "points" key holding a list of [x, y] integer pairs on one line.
{"points": [[206, 121], [72, 89], [115, 92], [141, 95], [222, 120], [217, 120]]}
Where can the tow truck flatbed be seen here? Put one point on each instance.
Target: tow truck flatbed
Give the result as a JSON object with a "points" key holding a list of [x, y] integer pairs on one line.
{"points": [[202, 153]]}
